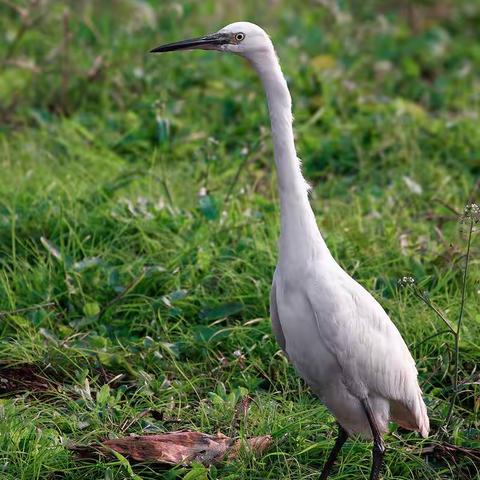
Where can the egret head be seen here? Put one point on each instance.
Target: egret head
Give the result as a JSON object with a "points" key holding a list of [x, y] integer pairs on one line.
{"points": [[242, 38]]}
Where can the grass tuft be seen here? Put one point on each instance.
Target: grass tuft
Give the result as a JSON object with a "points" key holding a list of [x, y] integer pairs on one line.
{"points": [[139, 220]]}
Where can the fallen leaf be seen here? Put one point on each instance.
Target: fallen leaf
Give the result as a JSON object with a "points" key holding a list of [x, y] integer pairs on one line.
{"points": [[22, 378], [180, 448], [175, 448], [412, 109], [412, 185], [86, 263], [52, 248], [257, 445], [323, 62], [404, 243], [445, 449]]}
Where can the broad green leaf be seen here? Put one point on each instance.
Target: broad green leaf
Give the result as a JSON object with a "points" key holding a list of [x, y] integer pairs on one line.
{"points": [[91, 309], [203, 333], [208, 206], [198, 472], [221, 311], [103, 395], [178, 295]]}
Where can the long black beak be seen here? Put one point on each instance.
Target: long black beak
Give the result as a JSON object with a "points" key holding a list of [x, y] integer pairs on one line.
{"points": [[209, 42]]}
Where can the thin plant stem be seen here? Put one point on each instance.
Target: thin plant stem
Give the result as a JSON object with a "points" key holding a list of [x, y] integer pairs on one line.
{"points": [[436, 310], [256, 150], [459, 325], [119, 297], [27, 309], [430, 337]]}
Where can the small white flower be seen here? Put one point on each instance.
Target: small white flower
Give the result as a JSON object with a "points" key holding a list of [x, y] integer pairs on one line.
{"points": [[406, 281], [472, 212]]}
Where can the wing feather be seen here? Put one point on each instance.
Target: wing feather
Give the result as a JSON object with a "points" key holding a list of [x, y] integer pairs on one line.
{"points": [[369, 349]]}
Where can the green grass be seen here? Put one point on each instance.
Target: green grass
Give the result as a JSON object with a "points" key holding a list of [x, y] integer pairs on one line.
{"points": [[104, 151]]}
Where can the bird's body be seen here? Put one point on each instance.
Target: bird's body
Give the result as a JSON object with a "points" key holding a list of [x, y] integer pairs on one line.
{"points": [[337, 336], [346, 348]]}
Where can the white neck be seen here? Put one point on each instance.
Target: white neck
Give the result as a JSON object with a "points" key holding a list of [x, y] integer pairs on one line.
{"points": [[299, 231]]}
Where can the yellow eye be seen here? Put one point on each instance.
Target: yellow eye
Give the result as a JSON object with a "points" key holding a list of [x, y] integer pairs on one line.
{"points": [[239, 37]]}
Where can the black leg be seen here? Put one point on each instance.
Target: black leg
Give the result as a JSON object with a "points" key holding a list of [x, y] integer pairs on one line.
{"points": [[378, 445], [341, 439]]}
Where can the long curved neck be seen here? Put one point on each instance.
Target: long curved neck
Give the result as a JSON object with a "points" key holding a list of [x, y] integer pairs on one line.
{"points": [[290, 179], [299, 231]]}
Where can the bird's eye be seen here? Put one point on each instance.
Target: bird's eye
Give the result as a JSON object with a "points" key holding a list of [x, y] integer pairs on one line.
{"points": [[239, 37]]}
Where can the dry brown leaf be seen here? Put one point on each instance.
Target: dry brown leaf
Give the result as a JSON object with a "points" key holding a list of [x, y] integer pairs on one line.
{"points": [[453, 451], [22, 378], [183, 448], [257, 445]]}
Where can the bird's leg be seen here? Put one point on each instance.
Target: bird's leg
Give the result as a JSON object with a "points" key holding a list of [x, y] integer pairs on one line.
{"points": [[341, 439], [378, 445]]}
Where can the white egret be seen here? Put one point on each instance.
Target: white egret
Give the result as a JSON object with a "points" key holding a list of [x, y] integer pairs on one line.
{"points": [[337, 336]]}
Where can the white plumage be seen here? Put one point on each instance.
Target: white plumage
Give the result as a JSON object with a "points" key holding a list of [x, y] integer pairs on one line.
{"points": [[346, 348], [338, 337]]}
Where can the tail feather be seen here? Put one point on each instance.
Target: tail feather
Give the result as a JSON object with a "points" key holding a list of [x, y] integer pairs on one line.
{"points": [[423, 421], [412, 416]]}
